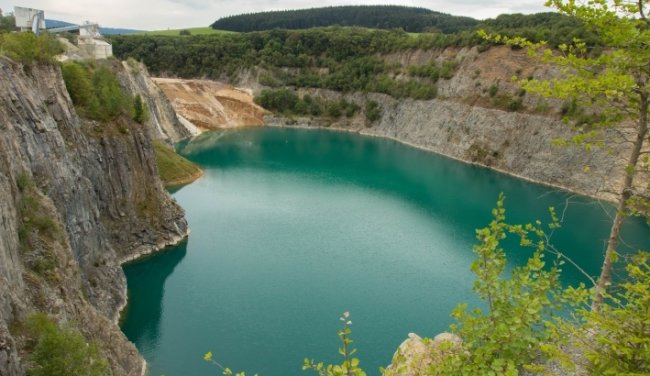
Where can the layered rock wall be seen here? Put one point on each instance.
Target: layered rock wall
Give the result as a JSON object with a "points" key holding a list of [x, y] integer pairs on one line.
{"points": [[76, 199]]}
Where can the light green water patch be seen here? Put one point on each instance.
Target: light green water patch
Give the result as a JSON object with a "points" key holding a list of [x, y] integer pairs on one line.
{"points": [[292, 227]]}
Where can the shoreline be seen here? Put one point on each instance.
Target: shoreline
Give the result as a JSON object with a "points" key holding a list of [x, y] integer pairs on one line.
{"points": [[424, 148], [185, 181], [141, 253]]}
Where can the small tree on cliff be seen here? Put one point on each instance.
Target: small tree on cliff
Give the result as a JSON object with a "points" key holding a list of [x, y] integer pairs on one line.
{"points": [[613, 88]]}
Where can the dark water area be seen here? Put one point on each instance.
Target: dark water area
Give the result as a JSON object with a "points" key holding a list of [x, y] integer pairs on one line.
{"points": [[292, 227]]}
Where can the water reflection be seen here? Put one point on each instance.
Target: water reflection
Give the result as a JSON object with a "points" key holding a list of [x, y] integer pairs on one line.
{"points": [[141, 319]]}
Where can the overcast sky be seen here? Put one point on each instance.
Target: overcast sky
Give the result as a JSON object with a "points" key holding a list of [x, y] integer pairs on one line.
{"points": [[175, 14]]}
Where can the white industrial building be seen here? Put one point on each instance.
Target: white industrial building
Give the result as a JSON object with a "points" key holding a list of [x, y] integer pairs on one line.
{"points": [[90, 42], [29, 19]]}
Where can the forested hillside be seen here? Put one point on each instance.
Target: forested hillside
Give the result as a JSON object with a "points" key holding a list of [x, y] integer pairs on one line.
{"points": [[337, 58], [375, 16]]}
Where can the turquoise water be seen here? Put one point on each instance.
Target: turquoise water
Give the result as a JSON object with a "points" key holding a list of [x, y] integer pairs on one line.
{"points": [[292, 227]]}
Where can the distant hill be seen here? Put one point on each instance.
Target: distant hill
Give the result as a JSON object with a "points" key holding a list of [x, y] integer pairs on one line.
{"points": [[117, 31], [409, 19], [49, 24]]}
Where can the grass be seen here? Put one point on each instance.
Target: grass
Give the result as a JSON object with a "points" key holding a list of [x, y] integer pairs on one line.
{"points": [[192, 30], [174, 170]]}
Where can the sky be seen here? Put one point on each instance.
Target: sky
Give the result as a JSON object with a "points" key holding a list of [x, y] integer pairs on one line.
{"points": [[176, 14]]}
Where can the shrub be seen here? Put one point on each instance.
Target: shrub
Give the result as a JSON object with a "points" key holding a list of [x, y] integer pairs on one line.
{"points": [[509, 334], [373, 111], [79, 86], [140, 111], [615, 340], [96, 92], [281, 100], [493, 90], [62, 351], [28, 48]]}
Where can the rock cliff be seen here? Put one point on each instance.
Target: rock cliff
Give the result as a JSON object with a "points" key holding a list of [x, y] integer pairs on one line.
{"points": [[469, 123], [516, 143], [209, 105], [163, 122], [77, 198]]}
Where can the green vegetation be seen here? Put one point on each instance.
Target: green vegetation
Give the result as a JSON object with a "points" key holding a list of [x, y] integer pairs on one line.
{"points": [[96, 91], [337, 58], [286, 101], [184, 31], [524, 328], [173, 169], [340, 59], [27, 48], [349, 366], [510, 332], [140, 111], [7, 24], [37, 231], [554, 28], [372, 16], [373, 111], [61, 351], [435, 70], [610, 88]]}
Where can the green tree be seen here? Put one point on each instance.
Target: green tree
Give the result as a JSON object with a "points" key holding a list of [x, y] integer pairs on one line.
{"points": [[614, 86], [615, 340], [7, 24], [508, 335]]}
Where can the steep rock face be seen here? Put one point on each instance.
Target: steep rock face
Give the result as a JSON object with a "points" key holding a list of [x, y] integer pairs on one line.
{"points": [[77, 198], [520, 144], [163, 122]]}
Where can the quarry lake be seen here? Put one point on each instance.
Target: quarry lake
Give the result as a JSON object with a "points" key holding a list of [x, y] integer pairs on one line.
{"points": [[292, 227]]}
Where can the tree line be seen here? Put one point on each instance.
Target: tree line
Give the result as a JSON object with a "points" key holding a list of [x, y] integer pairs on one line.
{"points": [[410, 19]]}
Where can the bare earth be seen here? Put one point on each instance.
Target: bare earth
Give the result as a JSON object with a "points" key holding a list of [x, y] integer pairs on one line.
{"points": [[210, 105]]}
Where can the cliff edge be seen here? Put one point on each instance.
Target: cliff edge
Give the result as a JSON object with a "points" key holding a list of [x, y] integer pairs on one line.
{"points": [[77, 198]]}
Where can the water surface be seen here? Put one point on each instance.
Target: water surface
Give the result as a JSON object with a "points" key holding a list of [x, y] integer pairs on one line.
{"points": [[292, 227]]}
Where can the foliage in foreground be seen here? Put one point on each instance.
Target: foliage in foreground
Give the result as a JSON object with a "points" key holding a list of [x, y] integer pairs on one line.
{"points": [[349, 366], [62, 351], [613, 88], [521, 308], [615, 340], [532, 324]]}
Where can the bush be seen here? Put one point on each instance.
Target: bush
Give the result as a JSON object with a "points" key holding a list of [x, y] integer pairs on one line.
{"points": [[509, 334], [140, 111], [616, 339], [62, 351], [373, 111], [493, 90], [79, 86], [27, 48], [7, 24], [96, 92], [282, 100]]}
